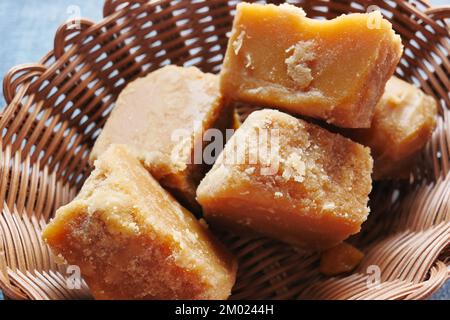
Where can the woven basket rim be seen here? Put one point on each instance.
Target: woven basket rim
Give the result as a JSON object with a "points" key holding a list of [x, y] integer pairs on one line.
{"points": [[19, 81], [441, 12]]}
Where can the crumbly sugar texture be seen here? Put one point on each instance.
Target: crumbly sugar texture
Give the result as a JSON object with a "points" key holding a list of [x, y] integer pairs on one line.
{"points": [[334, 70], [308, 188], [162, 118], [132, 240], [403, 122]]}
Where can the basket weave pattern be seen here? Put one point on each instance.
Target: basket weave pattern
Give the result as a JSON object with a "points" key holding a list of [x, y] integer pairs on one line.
{"points": [[57, 107]]}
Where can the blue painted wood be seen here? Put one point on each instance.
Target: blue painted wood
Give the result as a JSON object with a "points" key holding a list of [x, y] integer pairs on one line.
{"points": [[27, 29]]}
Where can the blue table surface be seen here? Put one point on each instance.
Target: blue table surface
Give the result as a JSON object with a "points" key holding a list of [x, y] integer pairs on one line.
{"points": [[27, 30]]}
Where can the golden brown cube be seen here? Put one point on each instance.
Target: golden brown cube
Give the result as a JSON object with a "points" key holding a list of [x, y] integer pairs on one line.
{"points": [[132, 240], [340, 259], [290, 180], [403, 122], [162, 117], [334, 70]]}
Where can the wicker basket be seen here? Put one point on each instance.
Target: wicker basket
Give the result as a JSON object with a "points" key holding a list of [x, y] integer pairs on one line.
{"points": [[57, 107]]}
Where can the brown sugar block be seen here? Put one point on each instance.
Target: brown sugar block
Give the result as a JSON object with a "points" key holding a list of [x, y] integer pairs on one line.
{"points": [[132, 240], [162, 117], [342, 258], [403, 122], [334, 70], [308, 188]]}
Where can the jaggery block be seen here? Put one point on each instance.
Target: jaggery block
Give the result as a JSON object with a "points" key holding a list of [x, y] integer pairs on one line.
{"points": [[403, 122], [342, 258], [162, 117], [333, 70], [309, 187], [132, 240]]}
